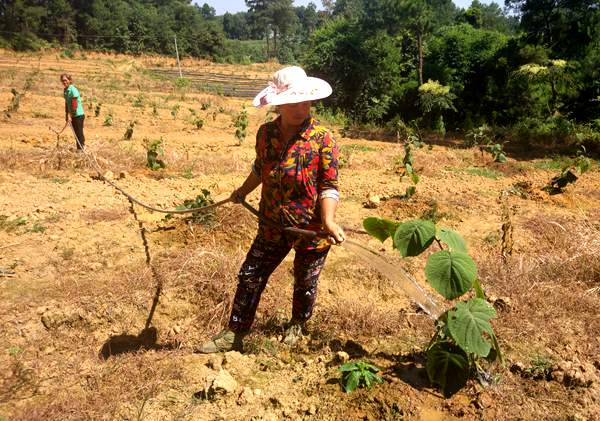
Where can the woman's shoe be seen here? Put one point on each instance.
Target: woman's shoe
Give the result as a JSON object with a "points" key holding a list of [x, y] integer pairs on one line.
{"points": [[226, 340]]}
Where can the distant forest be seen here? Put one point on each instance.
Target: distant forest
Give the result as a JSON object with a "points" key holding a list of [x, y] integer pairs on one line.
{"points": [[527, 70]]}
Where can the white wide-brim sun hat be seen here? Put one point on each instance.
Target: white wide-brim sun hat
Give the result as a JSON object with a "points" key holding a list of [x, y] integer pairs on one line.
{"points": [[291, 85]]}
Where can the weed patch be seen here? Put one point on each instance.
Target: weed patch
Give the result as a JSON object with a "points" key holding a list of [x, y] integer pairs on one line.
{"points": [[11, 225]]}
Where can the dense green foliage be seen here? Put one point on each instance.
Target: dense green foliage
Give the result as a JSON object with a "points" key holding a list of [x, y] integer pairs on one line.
{"points": [[531, 75], [131, 26]]}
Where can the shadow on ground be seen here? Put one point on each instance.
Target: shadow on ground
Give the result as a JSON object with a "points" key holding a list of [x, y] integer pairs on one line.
{"points": [[124, 343]]}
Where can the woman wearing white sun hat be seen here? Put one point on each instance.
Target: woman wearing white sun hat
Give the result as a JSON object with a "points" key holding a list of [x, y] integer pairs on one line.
{"points": [[296, 163]]}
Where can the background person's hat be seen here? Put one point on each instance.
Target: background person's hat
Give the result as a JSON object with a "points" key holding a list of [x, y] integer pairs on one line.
{"points": [[291, 85]]}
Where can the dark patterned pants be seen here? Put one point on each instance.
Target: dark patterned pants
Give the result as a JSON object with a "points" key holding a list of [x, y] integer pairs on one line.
{"points": [[262, 259], [77, 123]]}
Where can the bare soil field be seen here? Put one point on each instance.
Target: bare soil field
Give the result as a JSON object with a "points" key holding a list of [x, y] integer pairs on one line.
{"points": [[102, 303]]}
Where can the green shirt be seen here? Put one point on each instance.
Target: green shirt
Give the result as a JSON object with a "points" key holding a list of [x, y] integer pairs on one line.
{"points": [[70, 93]]}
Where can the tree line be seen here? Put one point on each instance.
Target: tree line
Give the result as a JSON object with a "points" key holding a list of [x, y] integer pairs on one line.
{"points": [[532, 67], [128, 26]]}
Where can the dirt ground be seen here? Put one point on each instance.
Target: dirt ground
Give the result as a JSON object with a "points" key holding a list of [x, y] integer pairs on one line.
{"points": [[80, 339]]}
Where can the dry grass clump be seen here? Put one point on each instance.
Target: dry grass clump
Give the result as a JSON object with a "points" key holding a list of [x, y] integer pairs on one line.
{"points": [[110, 156], [118, 389], [198, 290], [211, 163], [41, 160], [568, 250], [565, 265], [357, 318]]}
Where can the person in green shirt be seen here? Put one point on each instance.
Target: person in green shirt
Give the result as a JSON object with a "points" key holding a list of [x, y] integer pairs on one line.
{"points": [[73, 109]]}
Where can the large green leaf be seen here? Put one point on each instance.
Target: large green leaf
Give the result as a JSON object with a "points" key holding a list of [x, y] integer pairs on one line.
{"points": [[451, 273], [351, 381], [453, 240], [413, 237], [468, 322], [380, 228], [448, 367]]}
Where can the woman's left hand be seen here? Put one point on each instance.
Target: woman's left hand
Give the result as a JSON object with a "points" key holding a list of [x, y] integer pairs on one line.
{"points": [[335, 231]]}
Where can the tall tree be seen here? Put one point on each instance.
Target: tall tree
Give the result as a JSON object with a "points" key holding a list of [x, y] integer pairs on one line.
{"points": [[236, 25], [418, 17], [308, 18], [282, 16], [564, 26], [259, 18], [208, 12]]}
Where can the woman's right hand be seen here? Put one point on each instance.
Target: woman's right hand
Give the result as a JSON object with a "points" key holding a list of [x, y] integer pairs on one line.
{"points": [[236, 197]]}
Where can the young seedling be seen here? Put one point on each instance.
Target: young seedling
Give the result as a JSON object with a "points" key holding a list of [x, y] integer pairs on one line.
{"points": [[483, 137], [58, 151], [463, 334], [108, 120], [198, 122], [201, 200], [413, 141], [154, 150], [14, 103], [240, 122], [129, 131], [175, 111], [359, 374], [195, 119], [497, 152], [139, 101]]}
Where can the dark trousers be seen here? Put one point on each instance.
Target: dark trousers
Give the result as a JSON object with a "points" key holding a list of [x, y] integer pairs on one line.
{"points": [[77, 123], [262, 259]]}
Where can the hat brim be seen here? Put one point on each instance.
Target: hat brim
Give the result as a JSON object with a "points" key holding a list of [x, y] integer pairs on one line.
{"points": [[313, 88]]}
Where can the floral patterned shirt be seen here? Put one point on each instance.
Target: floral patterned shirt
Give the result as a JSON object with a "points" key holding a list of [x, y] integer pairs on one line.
{"points": [[294, 174]]}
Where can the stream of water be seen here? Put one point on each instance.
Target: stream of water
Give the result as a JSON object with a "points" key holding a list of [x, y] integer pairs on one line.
{"points": [[397, 275]]}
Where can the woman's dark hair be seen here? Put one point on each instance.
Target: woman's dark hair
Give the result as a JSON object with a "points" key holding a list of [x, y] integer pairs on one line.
{"points": [[67, 76]]}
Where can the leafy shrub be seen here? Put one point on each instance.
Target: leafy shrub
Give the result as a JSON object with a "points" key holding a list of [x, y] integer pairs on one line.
{"points": [[463, 334], [481, 135], [331, 116], [182, 83], [434, 99], [154, 150], [27, 41], [530, 129], [67, 53], [203, 199], [359, 374], [497, 152]]}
